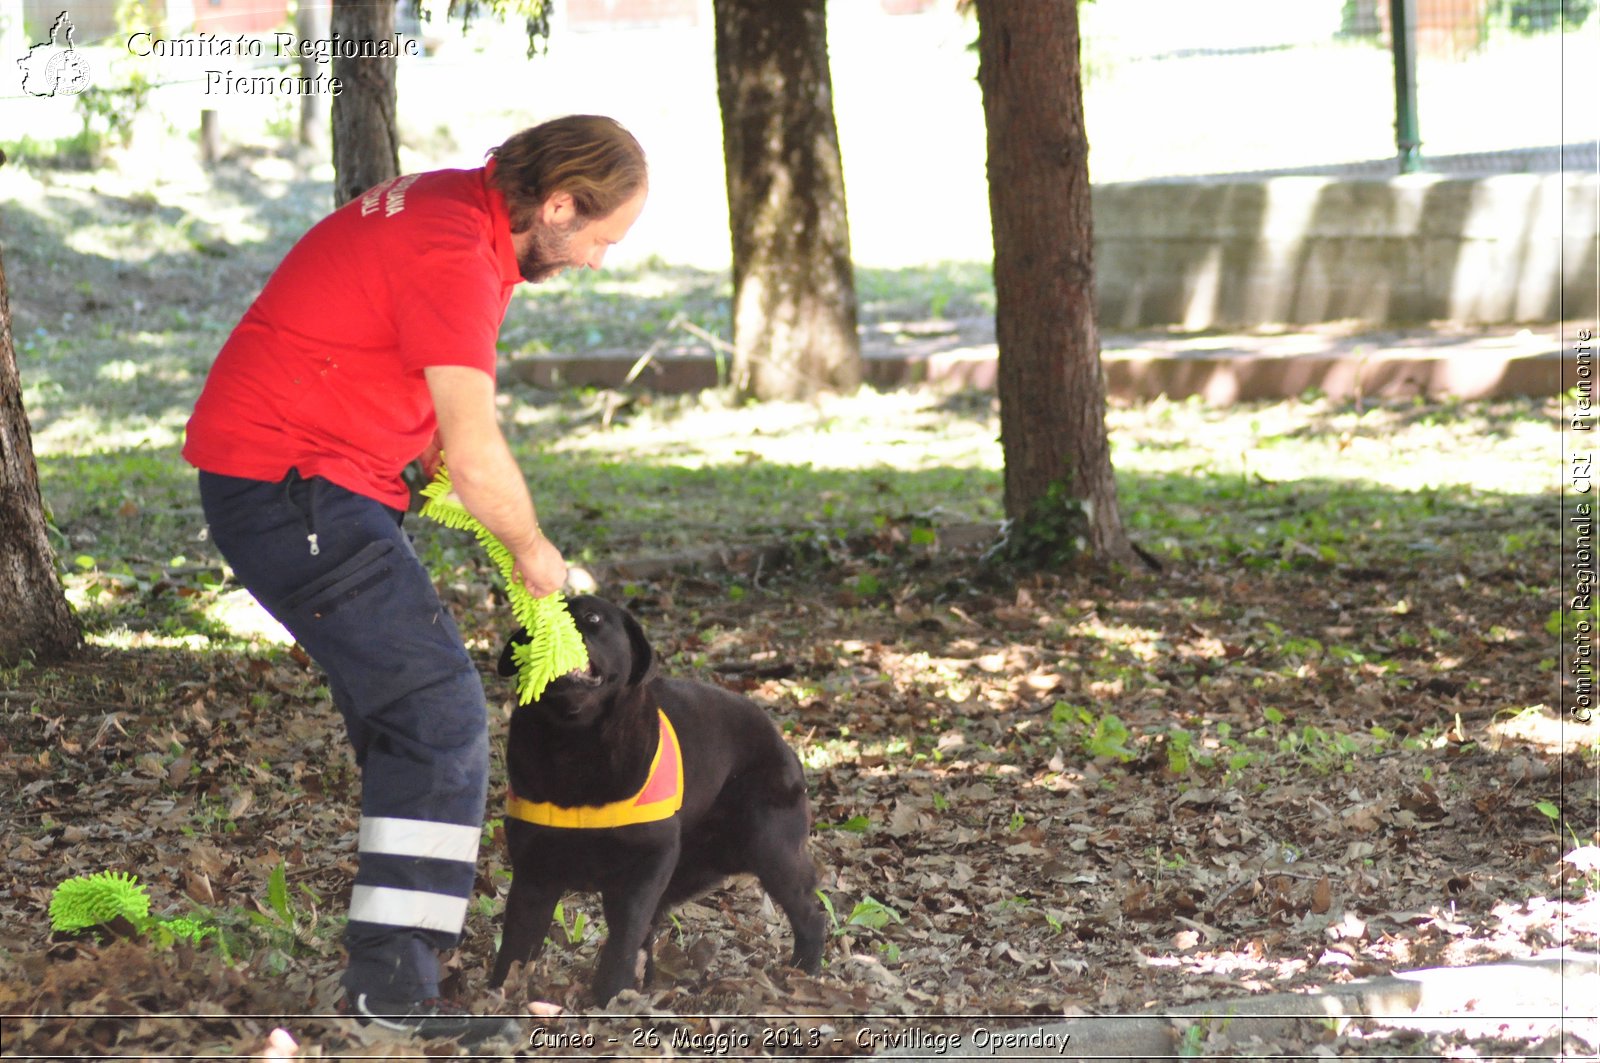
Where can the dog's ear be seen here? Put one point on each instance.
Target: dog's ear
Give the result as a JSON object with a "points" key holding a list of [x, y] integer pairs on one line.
{"points": [[644, 658], [508, 667]]}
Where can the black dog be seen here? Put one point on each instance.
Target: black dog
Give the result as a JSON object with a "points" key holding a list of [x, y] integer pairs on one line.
{"points": [[598, 767]]}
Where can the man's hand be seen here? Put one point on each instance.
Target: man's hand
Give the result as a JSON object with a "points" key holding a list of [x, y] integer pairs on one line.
{"points": [[545, 571], [485, 476], [430, 458]]}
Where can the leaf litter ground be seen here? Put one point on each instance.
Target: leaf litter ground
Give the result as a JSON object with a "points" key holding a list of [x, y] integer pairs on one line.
{"points": [[1322, 743]]}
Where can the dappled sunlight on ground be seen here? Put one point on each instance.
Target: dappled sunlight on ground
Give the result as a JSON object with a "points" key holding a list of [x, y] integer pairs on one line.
{"points": [[1396, 445], [902, 430], [243, 616], [1535, 726]]}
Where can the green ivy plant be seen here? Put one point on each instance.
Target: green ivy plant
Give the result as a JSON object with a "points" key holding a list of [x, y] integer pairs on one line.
{"points": [[1054, 534], [554, 647]]}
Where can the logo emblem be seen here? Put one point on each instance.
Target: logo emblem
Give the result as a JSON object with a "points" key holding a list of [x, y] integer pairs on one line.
{"points": [[55, 68]]}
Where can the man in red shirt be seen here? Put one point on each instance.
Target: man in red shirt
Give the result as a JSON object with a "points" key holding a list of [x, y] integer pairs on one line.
{"points": [[373, 344]]}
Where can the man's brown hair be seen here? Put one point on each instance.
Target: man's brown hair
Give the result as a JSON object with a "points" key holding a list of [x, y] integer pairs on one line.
{"points": [[590, 157]]}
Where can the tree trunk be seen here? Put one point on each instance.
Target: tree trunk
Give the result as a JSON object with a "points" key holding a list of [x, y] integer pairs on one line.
{"points": [[311, 24], [794, 301], [1052, 390], [34, 616], [366, 140]]}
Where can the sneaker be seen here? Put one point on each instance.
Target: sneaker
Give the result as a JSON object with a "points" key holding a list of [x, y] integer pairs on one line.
{"points": [[431, 1019]]}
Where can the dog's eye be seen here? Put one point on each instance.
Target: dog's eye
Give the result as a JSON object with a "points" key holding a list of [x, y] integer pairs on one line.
{"points": [[590, 619]]}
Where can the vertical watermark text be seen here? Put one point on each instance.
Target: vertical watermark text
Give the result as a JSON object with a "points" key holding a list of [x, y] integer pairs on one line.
{"points": [[1579, 501]]}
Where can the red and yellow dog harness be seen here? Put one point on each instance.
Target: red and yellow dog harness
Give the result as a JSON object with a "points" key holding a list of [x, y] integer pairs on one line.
{"points": [[660, 798]]}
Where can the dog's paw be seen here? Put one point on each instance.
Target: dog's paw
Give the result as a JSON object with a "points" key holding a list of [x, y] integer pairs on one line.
{"points": [[627, 1002]]}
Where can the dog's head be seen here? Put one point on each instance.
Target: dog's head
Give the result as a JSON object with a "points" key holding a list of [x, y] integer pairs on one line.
{"points": [[620, 661]]}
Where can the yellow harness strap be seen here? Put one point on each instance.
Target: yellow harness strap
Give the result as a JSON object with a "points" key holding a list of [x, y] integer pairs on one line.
{"points": [[659, 798]]}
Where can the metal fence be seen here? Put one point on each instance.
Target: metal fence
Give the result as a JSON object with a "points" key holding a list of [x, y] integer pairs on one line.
{"points": [[1175, 88]]}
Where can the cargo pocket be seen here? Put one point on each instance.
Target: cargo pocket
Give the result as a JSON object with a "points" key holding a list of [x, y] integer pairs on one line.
{"points": [[375, 625], [344, 586]]}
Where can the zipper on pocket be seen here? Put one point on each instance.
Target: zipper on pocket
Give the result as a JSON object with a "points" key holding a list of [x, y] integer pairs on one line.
{"points": [[308, 512]]}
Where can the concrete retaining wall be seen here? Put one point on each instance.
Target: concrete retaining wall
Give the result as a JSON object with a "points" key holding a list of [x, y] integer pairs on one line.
{"points": [[1299, 250]]}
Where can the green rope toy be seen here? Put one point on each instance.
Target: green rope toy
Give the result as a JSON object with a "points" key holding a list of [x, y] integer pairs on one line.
{"points": [[90, 900], [554, 647], [87, 901]]}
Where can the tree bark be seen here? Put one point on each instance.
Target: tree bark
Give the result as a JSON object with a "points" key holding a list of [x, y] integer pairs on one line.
{"points": [[1050, 382], [794, 320], [35, 619], [366, 138]]}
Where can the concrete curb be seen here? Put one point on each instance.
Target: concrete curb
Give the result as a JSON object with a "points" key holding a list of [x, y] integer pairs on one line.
{"points": [[1218, 368], [1224, 380], [1565, 991]]}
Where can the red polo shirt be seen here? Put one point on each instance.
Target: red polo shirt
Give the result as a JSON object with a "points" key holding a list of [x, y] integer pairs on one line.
{"points": [[324, 372]]}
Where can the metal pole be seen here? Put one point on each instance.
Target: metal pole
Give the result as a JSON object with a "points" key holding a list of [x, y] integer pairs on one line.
{"points": [[1403, 38]]}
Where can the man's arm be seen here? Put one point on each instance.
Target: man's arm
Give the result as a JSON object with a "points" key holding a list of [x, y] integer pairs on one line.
{"points": [[485, 475]]}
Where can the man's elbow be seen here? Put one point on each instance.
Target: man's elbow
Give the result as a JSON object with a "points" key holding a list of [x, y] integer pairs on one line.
{"points": [[470, 475]]}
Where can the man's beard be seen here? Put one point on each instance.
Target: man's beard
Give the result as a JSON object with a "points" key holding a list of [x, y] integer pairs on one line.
{"points": [[549, 251]]}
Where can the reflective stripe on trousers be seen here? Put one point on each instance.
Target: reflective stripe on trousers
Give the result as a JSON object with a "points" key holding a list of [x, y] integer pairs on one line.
{"points": [[447, 851], [337, 570]]}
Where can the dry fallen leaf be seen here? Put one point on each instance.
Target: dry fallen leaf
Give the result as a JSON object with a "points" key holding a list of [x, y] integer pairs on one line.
{"points": [[1322, 896]]}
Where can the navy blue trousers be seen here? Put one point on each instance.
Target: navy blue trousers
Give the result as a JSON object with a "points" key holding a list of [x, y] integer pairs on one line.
{"points": [[337, 570]]}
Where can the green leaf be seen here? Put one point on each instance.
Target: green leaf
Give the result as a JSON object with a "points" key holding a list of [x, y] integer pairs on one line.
{"points": [[827, 903], [278, 893], [1110, 739], [872, 914]]}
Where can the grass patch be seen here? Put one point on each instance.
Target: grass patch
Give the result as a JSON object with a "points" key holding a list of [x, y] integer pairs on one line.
{"points": [[670, 475], [114, 337]]}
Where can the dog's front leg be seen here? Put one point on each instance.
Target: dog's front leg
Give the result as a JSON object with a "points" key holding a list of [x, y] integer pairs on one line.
{"points": [[530, 906], [630, 915]]}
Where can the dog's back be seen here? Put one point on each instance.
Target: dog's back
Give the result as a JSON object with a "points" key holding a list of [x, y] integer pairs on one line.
{"points": [[745, 809], [729, 742]]}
